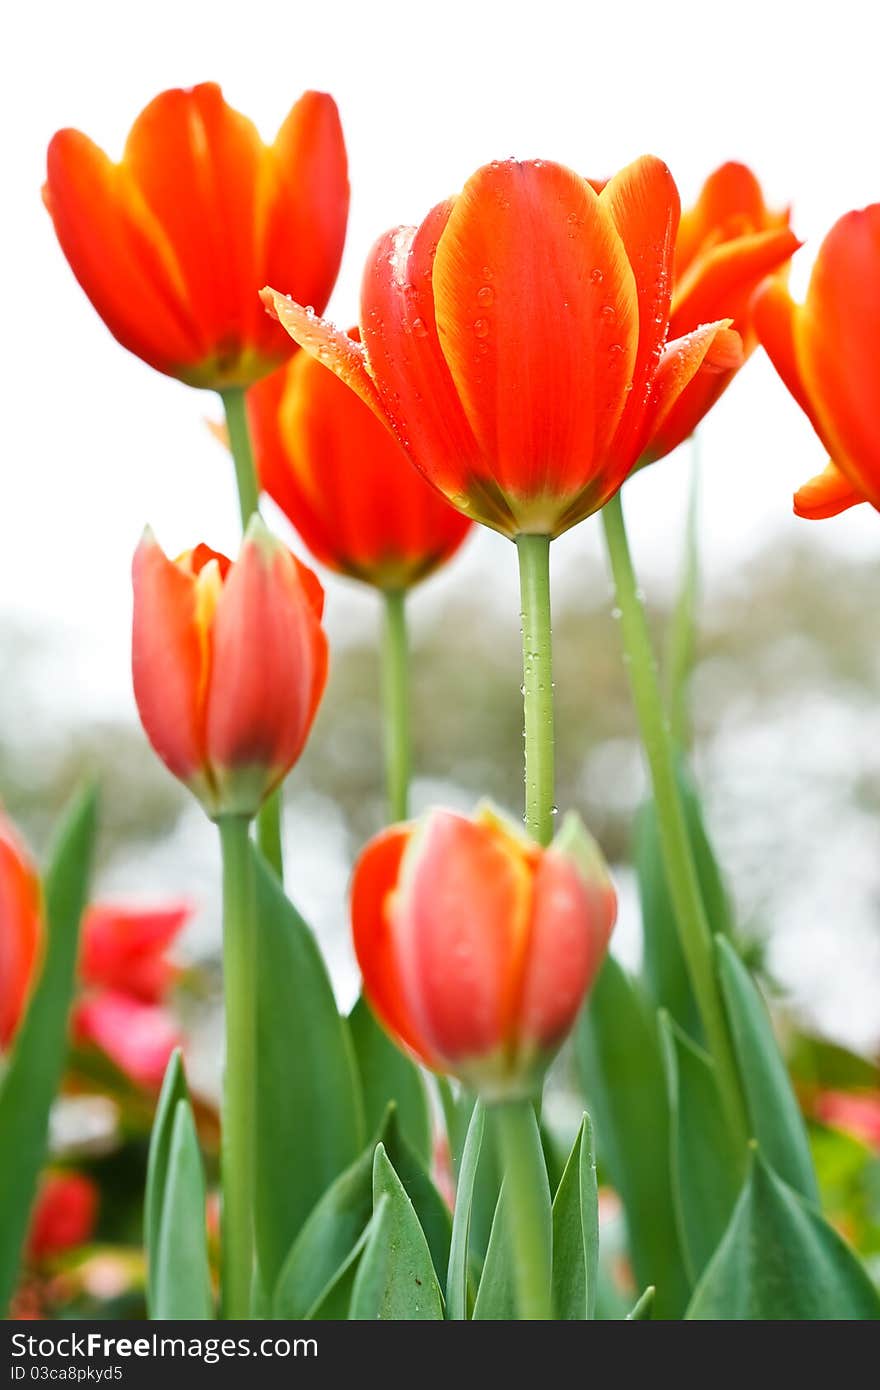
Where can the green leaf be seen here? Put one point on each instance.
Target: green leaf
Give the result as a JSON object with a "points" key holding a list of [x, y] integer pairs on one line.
{"points": [[174, 1089], [309, 1121], [773, 1111], [434, 1215], [327, 1239], [665, 968], [387, 1074], [643, 1309], [497, 1294], [617, 1049], [707, 1166], [334, 1304], [333, 1229], [457, 1278], [576, 1232], [395, 1279], [780, 1259], [182, 1281], [33, 1075]]}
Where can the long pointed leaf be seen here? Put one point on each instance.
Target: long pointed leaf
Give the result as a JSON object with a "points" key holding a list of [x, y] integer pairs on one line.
{"points": [[775, 1116], [387, 1075], [780, 1259], [34, 1072], [174, 1089], [183, 1273], [395, 1278], [457, 1280], [309, 1111], [576, 1232]]}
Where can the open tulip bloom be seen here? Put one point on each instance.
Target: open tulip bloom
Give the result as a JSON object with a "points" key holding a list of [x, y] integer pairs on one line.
{"points": [[518, 356]]}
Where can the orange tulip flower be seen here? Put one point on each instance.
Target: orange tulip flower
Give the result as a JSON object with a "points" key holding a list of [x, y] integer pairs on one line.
{"points": [[64, 1215], [173, 243], [727, 243], [344, 482], [477, 946], [516, 342], [20, 929], [825, 350], [229, 664]]}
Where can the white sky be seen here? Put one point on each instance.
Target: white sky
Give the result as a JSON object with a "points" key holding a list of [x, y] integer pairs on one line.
{"points": [[94, 444]]}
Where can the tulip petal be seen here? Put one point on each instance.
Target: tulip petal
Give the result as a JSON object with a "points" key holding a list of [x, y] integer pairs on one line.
{"points": [[399, 330], [711, 348], [836, 337], [198, 164], [322, 339], [730, 205], [308, 202], [643, 202], [123, 947], [119, 253], [64, 1214], [537, 317], [170, 659], [826, 495], [373, 886], [269, 666], [722, 281], [20, 929], [774, 313], [462, 919], [571, 925], [138, 1038]]}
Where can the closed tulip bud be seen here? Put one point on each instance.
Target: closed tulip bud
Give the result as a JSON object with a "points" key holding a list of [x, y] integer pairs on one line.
{"points": [[229, 663], [20, 929], [477, 947]]}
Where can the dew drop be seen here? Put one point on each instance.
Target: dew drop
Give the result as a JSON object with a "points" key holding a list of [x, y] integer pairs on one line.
{"points": [[481, 328], [485, 295], [419, 329], [596, 276], [609, 313]]}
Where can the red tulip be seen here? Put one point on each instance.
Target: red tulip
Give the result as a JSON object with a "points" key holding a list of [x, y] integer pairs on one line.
{"points": [[229, 664], [20, 929], [726, 244], [123, 948], [344, 482], [477, 946], [855, 1112], [516, 342], [825, 350], [138, 1038], [173, 243], [64, 1215]]}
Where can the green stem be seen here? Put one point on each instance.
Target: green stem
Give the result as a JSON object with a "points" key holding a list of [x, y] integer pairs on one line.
{"points": [[526, 1199], [242, 453], [534, 583], [238, 1152], [395, 702], [681, 636], [684, 886], [269, 816]]}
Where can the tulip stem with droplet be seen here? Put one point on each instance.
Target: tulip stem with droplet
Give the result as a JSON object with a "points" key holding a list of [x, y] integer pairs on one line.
{"points": [[395, 703], [238, 1154], [684, 885], [534, 580], [526, 1203], [269, 817], [680, 637]]}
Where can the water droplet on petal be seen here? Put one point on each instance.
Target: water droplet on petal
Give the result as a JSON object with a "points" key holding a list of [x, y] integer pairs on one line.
{"points": [[596, 275], [481, 328], [609, 313], [419, 328], [485, 295]]}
